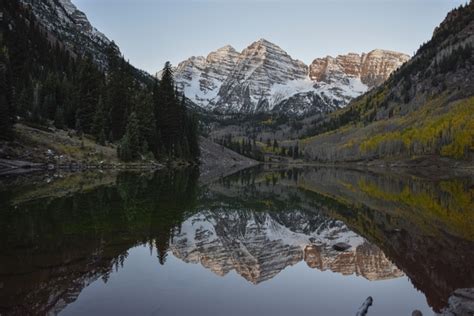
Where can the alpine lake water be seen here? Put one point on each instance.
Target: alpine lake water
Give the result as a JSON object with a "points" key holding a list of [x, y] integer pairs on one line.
{"points": [[262, 241]]}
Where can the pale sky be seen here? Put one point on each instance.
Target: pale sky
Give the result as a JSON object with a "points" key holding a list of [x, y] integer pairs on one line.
{"points": [[151, 32]]}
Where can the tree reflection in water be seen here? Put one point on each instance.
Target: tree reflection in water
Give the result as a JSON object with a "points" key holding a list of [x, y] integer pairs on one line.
{"points": [[58, 238]]}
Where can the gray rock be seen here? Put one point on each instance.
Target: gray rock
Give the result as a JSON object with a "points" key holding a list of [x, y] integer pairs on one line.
{"points": [[416, 313], [265, 78], [460, 303], [341, 246]]}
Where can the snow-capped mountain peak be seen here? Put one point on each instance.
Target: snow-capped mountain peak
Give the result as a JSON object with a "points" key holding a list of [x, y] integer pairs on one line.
{"points": [[264, 78], [260, 66], [201, 77]]}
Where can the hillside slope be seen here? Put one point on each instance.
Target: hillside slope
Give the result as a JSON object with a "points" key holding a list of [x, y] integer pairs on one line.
{"points": [[59, 73], [68, 26], [217, 161], [46, 148], [426, 108]]}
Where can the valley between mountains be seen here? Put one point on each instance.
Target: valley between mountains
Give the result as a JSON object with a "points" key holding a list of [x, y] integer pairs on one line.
{"points": [[381, 107], [245, 181]]}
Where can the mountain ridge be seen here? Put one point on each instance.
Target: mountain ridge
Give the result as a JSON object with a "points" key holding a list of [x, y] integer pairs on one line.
{"points": [[72, 26], [425, 108], [68, 26], [260, 246], [359, 65], [265, 78]]}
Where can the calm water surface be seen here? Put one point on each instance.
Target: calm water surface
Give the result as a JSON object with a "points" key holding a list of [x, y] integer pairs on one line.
{"points": [[259, 242]]}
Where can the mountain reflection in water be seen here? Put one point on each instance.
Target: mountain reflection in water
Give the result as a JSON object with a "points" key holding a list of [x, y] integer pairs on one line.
{"points": [[258, 245], [58, 238]]}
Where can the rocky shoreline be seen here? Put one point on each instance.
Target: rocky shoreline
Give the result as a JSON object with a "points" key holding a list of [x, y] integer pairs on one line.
{"points": [[215, 161]]}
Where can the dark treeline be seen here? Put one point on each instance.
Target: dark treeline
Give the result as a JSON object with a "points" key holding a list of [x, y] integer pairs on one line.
{"points": [[289, 151], [246, 147], [43, 82], [249, 148]]}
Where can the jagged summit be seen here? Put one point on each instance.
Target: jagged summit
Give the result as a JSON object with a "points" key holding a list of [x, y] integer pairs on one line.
{"points": [[226, 48], [372, 68], [260, 66], [263, 43], [384, 51], [265, 78], [423, 110]]}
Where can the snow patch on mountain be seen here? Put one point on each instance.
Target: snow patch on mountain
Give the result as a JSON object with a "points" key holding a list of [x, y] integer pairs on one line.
{"points": [[282, 91], [264, 78], [258, 246]]}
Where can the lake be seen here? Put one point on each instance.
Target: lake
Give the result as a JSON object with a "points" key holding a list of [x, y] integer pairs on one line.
{"points": [[263, 241]]}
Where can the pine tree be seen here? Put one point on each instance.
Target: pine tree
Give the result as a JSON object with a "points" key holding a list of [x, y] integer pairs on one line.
{"points": [[70, 103], [296, 153], [24, 101], [275, 144], [49, 96], [36, 107], [168, 112], [99, 126], [89, 87], [147, 123], [290, 151], [119, 96], [192, 136], [59, 118], [48, 105], [101, 138], [129, 148], [6, 115]]}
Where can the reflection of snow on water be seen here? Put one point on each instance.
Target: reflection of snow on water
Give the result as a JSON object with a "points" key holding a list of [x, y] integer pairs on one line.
{"points": [[260, 245]]}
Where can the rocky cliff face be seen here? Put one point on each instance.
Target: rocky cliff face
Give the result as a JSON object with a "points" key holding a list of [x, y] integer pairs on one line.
{"points": [[260, 245], [372, 68], [202, 77], [366, 260], [436, 85], [260, 66], [264, 78], [71, 27]]}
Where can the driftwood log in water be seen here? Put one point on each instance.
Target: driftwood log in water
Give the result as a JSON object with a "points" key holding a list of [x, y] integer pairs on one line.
{"points": [[365, 307]]}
